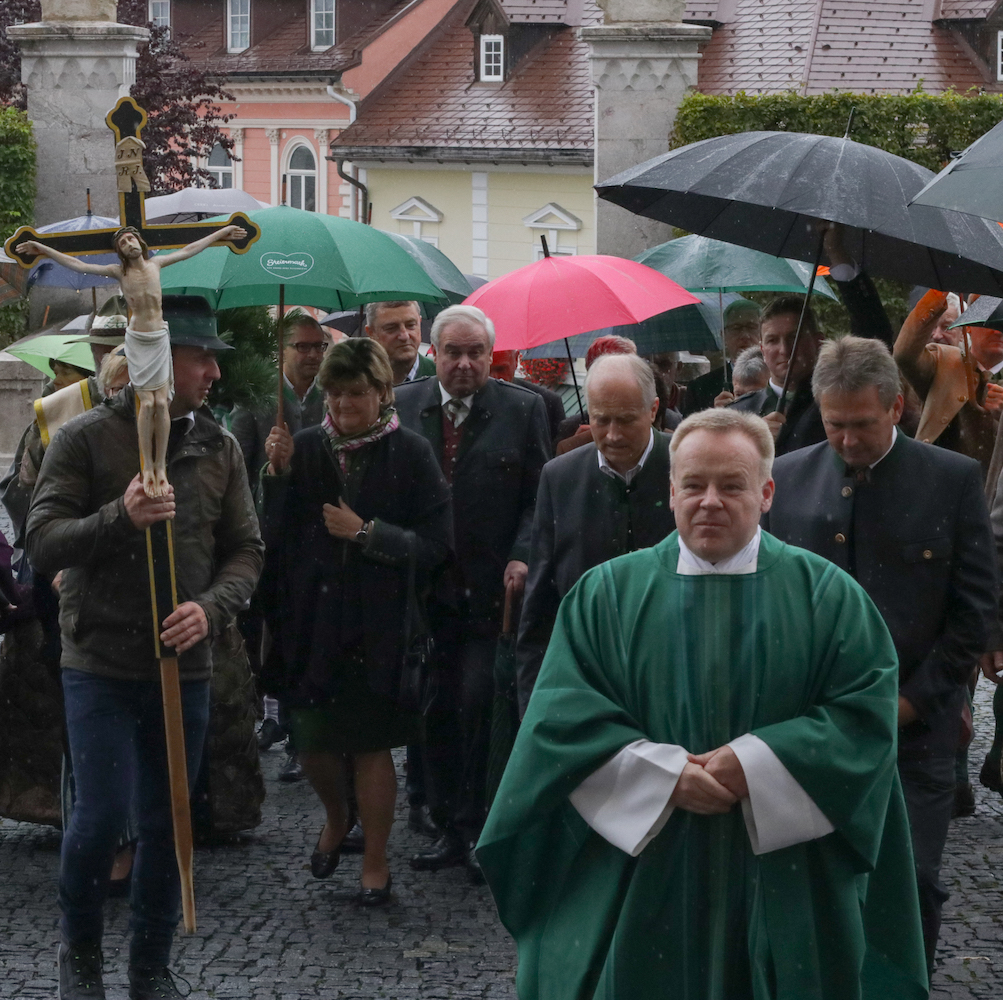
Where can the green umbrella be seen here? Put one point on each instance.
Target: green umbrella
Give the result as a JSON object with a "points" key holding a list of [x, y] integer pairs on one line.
{"points": [[437, 266], [702, 264], [38, 351], [315, 260]]}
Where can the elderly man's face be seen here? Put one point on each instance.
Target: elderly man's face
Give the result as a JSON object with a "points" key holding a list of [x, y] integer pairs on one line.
{"points": [[778, 339], [618, 418], [504, 365], [858, 427], [463, 358], [717, 492], [941, 334], [399, 331], [741, 331]]}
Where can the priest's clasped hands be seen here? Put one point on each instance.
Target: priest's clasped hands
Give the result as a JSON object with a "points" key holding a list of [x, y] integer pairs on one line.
{"points": [[711, 783]]}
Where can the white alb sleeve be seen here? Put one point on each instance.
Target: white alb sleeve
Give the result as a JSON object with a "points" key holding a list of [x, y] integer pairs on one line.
{"points": [[778, 812], [626, 801]]}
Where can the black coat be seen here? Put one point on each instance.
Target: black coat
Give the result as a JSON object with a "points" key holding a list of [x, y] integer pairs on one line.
{"points": [[917, 538], [553, 403], [804, 421], [328, 599], [584, 517], [506, 441]]}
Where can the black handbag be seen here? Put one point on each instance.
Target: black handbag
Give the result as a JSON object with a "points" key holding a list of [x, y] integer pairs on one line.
{"points": [[418, 682]]}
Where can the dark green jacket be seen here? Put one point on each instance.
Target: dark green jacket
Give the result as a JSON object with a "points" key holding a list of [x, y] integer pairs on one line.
{"points": [[78, 523]]}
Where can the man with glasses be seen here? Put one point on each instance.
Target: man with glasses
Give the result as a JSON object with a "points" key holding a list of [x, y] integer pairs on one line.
{"points": [[303, 406], [397, 326]]}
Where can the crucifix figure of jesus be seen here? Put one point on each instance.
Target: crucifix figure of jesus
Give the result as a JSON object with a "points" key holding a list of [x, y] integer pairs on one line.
{"points": [[147, 339]]}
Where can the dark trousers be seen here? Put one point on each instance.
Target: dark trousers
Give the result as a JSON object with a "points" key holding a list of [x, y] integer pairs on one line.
{"points": [[928, 785], [457, 739], [116, 736]]}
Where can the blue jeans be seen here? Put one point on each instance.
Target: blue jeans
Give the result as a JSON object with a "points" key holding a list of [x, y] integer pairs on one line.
{"points": [[116, 735]]}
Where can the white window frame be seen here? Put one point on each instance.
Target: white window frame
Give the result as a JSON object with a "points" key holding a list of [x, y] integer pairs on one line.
{"points": [[492, 74], [159, 19], [291, 172], [999, 55], [221, 171], [240, 40], [316, 46]]}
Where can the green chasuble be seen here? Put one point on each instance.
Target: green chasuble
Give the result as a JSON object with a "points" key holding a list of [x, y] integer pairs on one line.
{"points": [[794, 653]]}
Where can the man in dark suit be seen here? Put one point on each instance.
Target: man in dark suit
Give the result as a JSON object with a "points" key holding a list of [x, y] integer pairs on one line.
{"points": [[909, 522], [595, 502], [504, 365], [492, 439], [397, 326]]}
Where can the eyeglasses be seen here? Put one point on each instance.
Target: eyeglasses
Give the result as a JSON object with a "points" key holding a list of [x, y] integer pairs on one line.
{"points": [[318, 347], [350, 394]]}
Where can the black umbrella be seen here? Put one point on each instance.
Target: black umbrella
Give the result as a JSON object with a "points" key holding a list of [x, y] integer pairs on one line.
{"points": [[971, 182], [984, 311], [766, 190]]}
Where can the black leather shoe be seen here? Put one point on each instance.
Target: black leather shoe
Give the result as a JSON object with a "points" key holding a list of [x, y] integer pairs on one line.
{"points": [[420, 820], [269, 734], [80, 972], [474, 872], [156, 983], [292, 769], [323, 863], [376, 897], [991, 775], [447, 850], [964, 801], [355, 841]]}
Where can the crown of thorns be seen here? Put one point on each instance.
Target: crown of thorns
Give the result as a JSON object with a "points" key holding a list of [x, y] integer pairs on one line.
{"points": [[127, 229]]}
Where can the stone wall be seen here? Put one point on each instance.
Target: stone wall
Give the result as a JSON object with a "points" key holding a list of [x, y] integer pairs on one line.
{"points": [[20, 386]]}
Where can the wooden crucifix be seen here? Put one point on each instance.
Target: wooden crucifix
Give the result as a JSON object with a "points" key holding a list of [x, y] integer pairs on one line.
{"points": [[126, 120]]}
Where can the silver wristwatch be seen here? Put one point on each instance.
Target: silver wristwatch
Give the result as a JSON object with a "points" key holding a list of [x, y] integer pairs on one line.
{"points": [[363, 533]]}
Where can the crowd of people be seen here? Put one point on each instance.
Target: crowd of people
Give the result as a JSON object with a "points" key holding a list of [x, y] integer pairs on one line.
{"points": [[737, 760]]}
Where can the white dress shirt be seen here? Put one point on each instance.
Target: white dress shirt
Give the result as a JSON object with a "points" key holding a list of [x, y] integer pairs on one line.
{"points": [[628, 476], [464, 410]]}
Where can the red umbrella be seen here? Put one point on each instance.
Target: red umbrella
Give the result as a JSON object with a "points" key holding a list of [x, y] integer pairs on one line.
{"points": [[561, 296]]}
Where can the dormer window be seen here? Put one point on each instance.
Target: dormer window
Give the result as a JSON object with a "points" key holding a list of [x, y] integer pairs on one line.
{"points": [[238, 25], [322, 24], [492, 58], [160, 13]]}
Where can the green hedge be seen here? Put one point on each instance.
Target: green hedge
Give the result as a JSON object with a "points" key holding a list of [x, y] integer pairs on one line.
{"points": [[17, 201], [925, 128]]}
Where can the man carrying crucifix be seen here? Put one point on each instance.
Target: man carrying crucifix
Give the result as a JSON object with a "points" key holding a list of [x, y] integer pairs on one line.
{"points": [[147, 343]]}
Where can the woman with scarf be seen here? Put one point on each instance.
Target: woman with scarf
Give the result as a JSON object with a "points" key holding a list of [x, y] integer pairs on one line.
{"points": [[345, 504]]}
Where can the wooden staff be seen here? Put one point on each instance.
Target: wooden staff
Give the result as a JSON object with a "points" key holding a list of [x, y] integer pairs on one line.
{"points": [[163, 601], [282, 353]]}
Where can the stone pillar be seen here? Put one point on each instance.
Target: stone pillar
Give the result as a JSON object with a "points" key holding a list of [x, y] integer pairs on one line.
{"points": [[644, 60], [20, 386], [76, 63]]}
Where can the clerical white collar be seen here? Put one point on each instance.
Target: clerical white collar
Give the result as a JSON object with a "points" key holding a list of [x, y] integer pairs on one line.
{"points": [[467, 401], [743, 562], [628, 476]]}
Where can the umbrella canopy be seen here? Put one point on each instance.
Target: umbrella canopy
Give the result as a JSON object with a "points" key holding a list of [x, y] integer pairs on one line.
{"points": [[37, 352], [319, 260], [437, 266], [986, 310], [766, 191], [701, 264], [47, 272], [192, 204], [970, 183], [569, 295], [694, 328]]}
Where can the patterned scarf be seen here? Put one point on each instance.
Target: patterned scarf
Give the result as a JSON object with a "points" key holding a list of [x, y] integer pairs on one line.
{"points": [[342, 444]]}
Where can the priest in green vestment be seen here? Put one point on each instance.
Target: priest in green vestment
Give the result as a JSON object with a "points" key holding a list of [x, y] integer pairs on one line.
{"points": [[703, 801]]}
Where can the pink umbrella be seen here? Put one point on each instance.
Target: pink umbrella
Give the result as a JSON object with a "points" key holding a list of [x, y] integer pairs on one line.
{"points": [[561, 296]]}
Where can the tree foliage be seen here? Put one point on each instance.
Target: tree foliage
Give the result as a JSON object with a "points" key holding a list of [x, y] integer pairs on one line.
{"points": [[248, 373], [179, 97], [17, 200]]}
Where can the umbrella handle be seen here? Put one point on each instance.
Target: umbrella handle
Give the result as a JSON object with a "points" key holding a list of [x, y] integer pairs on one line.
{"points": [[507, 612], [282, 353], [782, 402]]}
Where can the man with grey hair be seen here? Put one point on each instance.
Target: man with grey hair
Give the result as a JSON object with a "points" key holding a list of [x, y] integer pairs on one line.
{"points": [[492, 439], [596, 502], [909, 522], [718, 669], [397, 326], [749, 373]]}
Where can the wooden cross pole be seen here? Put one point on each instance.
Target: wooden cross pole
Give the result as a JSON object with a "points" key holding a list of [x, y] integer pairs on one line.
{"points": [[126, 120]]}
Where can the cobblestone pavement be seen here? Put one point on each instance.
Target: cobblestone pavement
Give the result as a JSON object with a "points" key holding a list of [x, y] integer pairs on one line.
{"points": [[268, 931]]}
